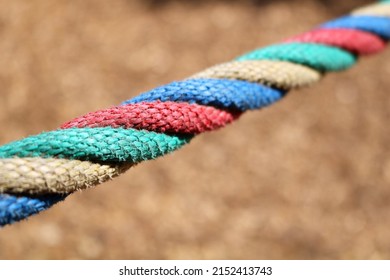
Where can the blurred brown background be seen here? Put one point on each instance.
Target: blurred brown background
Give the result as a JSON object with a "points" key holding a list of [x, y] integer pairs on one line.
{"points": [[307, 178]]}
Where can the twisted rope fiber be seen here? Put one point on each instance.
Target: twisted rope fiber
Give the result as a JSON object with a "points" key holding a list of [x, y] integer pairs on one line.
{"points": [[39, 171], [355, 41], [55, 175], [169, 117], [280, 74]]}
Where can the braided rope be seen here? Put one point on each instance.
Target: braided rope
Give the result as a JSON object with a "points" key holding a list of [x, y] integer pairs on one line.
{"points": [[39, 171]]}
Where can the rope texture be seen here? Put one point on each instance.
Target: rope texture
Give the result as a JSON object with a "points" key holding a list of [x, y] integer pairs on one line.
{"points": [[39, 171], [45, 175]]}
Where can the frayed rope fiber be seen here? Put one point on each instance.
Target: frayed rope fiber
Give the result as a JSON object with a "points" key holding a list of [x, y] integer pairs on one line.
{"points": [[39, 171]]}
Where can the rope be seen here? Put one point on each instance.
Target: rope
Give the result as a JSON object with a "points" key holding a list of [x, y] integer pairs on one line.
{"points": [[38, 171]]}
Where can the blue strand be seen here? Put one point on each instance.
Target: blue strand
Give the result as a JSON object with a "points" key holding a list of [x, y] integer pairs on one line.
{"points": [[377, 25], [220, 93], [15, 208]]}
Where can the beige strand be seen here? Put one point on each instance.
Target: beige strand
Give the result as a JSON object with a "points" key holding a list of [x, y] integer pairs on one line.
{"points": [[373, 10], [280, 74], [51, 175]]}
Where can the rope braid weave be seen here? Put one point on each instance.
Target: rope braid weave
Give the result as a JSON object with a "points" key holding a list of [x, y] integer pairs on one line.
{"points": [[39, 171]]}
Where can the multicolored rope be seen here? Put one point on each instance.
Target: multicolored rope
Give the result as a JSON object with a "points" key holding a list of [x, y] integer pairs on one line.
{"points": [[39, 171]]}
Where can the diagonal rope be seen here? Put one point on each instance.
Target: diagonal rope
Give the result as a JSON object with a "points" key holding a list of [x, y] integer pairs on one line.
{"points": [[38, 171]]}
